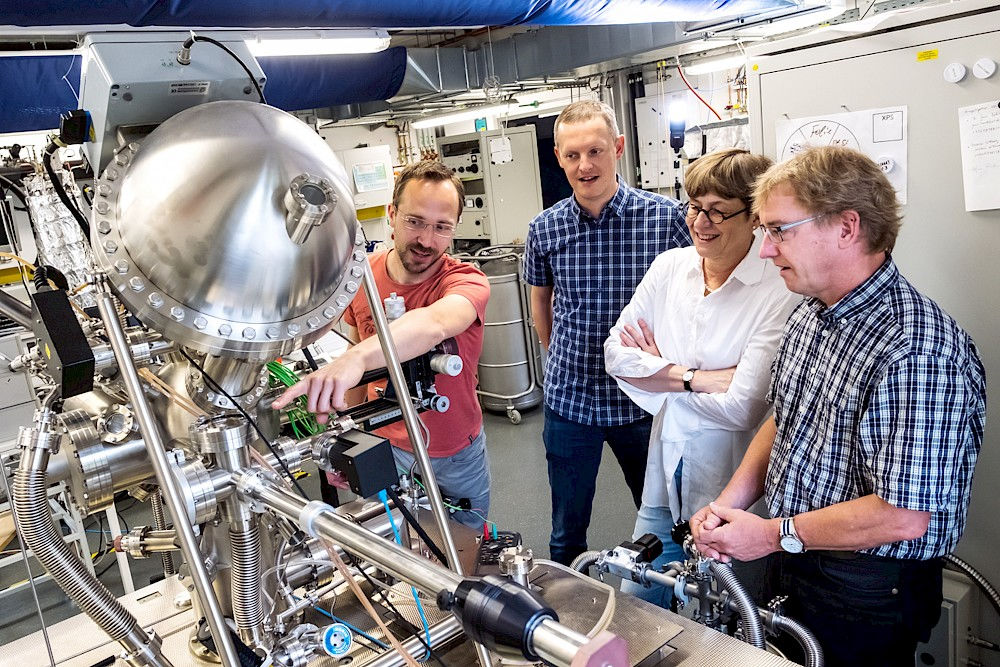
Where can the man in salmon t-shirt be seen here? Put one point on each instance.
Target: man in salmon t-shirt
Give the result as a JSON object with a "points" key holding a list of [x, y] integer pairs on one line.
{"points": [[444, 298]]}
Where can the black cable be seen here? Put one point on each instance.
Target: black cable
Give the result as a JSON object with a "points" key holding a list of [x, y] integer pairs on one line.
{"points": [[61, 191], [309, 358], [189, 42], [13, 187], [409, 627], [410, 519], [218, 387]]}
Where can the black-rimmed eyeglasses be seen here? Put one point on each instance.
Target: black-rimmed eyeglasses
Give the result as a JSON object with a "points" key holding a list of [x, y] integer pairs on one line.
{"points": [[714, 215]]}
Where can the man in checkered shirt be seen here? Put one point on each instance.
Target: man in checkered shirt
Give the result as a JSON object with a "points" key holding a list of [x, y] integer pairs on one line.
{"points": [[879, 406], [584, 258]]}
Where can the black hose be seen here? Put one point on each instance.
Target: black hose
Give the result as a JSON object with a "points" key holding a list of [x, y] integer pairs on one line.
{"points": [[189, 42], [391, 492], [61, 191]]}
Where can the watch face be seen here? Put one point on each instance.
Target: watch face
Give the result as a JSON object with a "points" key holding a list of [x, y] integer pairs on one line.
{"points": [[688, 376], [791, 544]]}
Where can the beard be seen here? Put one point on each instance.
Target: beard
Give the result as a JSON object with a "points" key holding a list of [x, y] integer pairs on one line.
{"points": [[418, 263]]}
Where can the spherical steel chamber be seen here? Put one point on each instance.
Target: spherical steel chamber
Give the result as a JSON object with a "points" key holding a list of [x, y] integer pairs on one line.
{"points": [[231, 229]]}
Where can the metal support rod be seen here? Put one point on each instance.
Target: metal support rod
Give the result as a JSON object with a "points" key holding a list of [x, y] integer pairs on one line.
{"points": [[410, 418], [27, 566], [414, 431], [165, 477], [440, 632]]}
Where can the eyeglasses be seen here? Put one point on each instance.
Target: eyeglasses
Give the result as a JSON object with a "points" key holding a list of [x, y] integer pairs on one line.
{"points": [[714, 215], [774, 234], [417, 225]]}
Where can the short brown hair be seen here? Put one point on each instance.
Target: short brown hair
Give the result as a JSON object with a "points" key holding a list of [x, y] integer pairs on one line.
{"points": [[427, 170], [729, 173], [829, 180], [584, 110]]}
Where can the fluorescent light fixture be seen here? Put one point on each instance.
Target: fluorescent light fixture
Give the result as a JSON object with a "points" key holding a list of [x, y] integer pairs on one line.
{"points": [[459, 116], [311, 43], [709, 65]]}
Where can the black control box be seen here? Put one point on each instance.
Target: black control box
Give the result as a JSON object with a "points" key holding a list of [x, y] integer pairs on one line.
{"points": [[366, 461], [63, 345]]}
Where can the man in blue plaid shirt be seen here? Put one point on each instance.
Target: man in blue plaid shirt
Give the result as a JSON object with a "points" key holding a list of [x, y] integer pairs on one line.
{"points": [[584, 258], [879, 407]]}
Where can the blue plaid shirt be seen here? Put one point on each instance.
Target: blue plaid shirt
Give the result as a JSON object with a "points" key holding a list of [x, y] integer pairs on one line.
{"points": [[594, 265], [882, 393]]}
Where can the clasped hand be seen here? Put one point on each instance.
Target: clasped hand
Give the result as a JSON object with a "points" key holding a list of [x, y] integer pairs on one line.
{"points": [[725, 533]]}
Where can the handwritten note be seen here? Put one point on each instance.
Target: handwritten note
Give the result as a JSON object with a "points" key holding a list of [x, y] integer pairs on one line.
{"points": [[878, 133], [979, 133]]}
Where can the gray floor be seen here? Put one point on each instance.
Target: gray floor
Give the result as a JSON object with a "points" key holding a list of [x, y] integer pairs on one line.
{"points": [[520, 502]]}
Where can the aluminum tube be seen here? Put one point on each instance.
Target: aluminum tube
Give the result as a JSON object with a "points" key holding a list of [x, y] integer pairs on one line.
{"points": [[410, 418], [16, 310], [441, 632], [753, 629], [549, 639], [555, 643], [104, 356], [150, 430], [388, 556]]}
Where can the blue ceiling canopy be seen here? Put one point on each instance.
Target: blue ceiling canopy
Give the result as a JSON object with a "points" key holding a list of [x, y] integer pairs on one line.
{"points": [[367, 14], [39, 87]]}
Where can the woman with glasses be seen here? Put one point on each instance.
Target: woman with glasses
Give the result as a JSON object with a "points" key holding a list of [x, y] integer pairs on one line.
{"points": [[694, 347]]}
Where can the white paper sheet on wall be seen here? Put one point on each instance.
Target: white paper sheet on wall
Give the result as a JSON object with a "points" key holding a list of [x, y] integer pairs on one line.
{"points": [[878, 133], [979, 133]]}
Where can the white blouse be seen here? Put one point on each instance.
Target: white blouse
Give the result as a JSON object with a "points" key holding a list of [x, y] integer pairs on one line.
{"points": [[739, 324]]}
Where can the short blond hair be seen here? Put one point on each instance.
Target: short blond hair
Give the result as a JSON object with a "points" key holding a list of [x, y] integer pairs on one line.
{"points": [[729, 173], [829, 180], [584, 110]]}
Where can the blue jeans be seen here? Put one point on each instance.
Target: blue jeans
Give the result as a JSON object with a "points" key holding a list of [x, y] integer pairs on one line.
{"points": [[465, 474], [573, 452], [658, 521]]}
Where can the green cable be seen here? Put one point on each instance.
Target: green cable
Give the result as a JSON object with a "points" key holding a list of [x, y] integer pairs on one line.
{"points": [[298, 413]]}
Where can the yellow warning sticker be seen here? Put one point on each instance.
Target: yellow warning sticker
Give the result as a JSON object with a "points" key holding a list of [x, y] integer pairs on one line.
{"points": [[48, 352], [932, 54]]}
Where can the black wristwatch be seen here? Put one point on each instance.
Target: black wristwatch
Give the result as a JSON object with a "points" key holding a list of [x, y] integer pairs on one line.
{"points": [[687, 377]]}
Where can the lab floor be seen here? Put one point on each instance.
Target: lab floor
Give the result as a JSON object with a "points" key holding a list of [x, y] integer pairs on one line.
{"points": [[520, 502]]}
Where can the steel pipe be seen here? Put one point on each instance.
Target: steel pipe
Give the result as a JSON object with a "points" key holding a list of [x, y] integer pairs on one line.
{"points": [[551, 640], [16, 310], [165, 477]]}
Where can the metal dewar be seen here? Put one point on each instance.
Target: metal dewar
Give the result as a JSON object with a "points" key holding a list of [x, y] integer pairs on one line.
{"points": [[199, 215]]}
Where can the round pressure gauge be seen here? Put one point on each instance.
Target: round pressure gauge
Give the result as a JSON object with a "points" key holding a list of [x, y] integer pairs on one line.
{"points": [[984, 68], [955, 72]]}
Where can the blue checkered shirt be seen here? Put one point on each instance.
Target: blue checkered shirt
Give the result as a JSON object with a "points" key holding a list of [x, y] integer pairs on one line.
{"points": [[594, 265], [882, 393]]}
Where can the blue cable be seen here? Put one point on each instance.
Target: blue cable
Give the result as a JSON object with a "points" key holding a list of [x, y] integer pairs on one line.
{"points": [[352, 628], [416, 598]]}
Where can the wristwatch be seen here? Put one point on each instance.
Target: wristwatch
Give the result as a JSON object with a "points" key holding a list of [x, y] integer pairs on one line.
{"points": [[687, 377], [789, 539]]}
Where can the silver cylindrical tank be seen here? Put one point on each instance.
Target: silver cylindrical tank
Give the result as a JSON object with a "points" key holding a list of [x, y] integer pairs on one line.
{"points": [[508, 376]]}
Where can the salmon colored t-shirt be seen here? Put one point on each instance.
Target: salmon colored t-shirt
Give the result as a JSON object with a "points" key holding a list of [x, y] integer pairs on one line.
{"points": [[455, 429]]}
